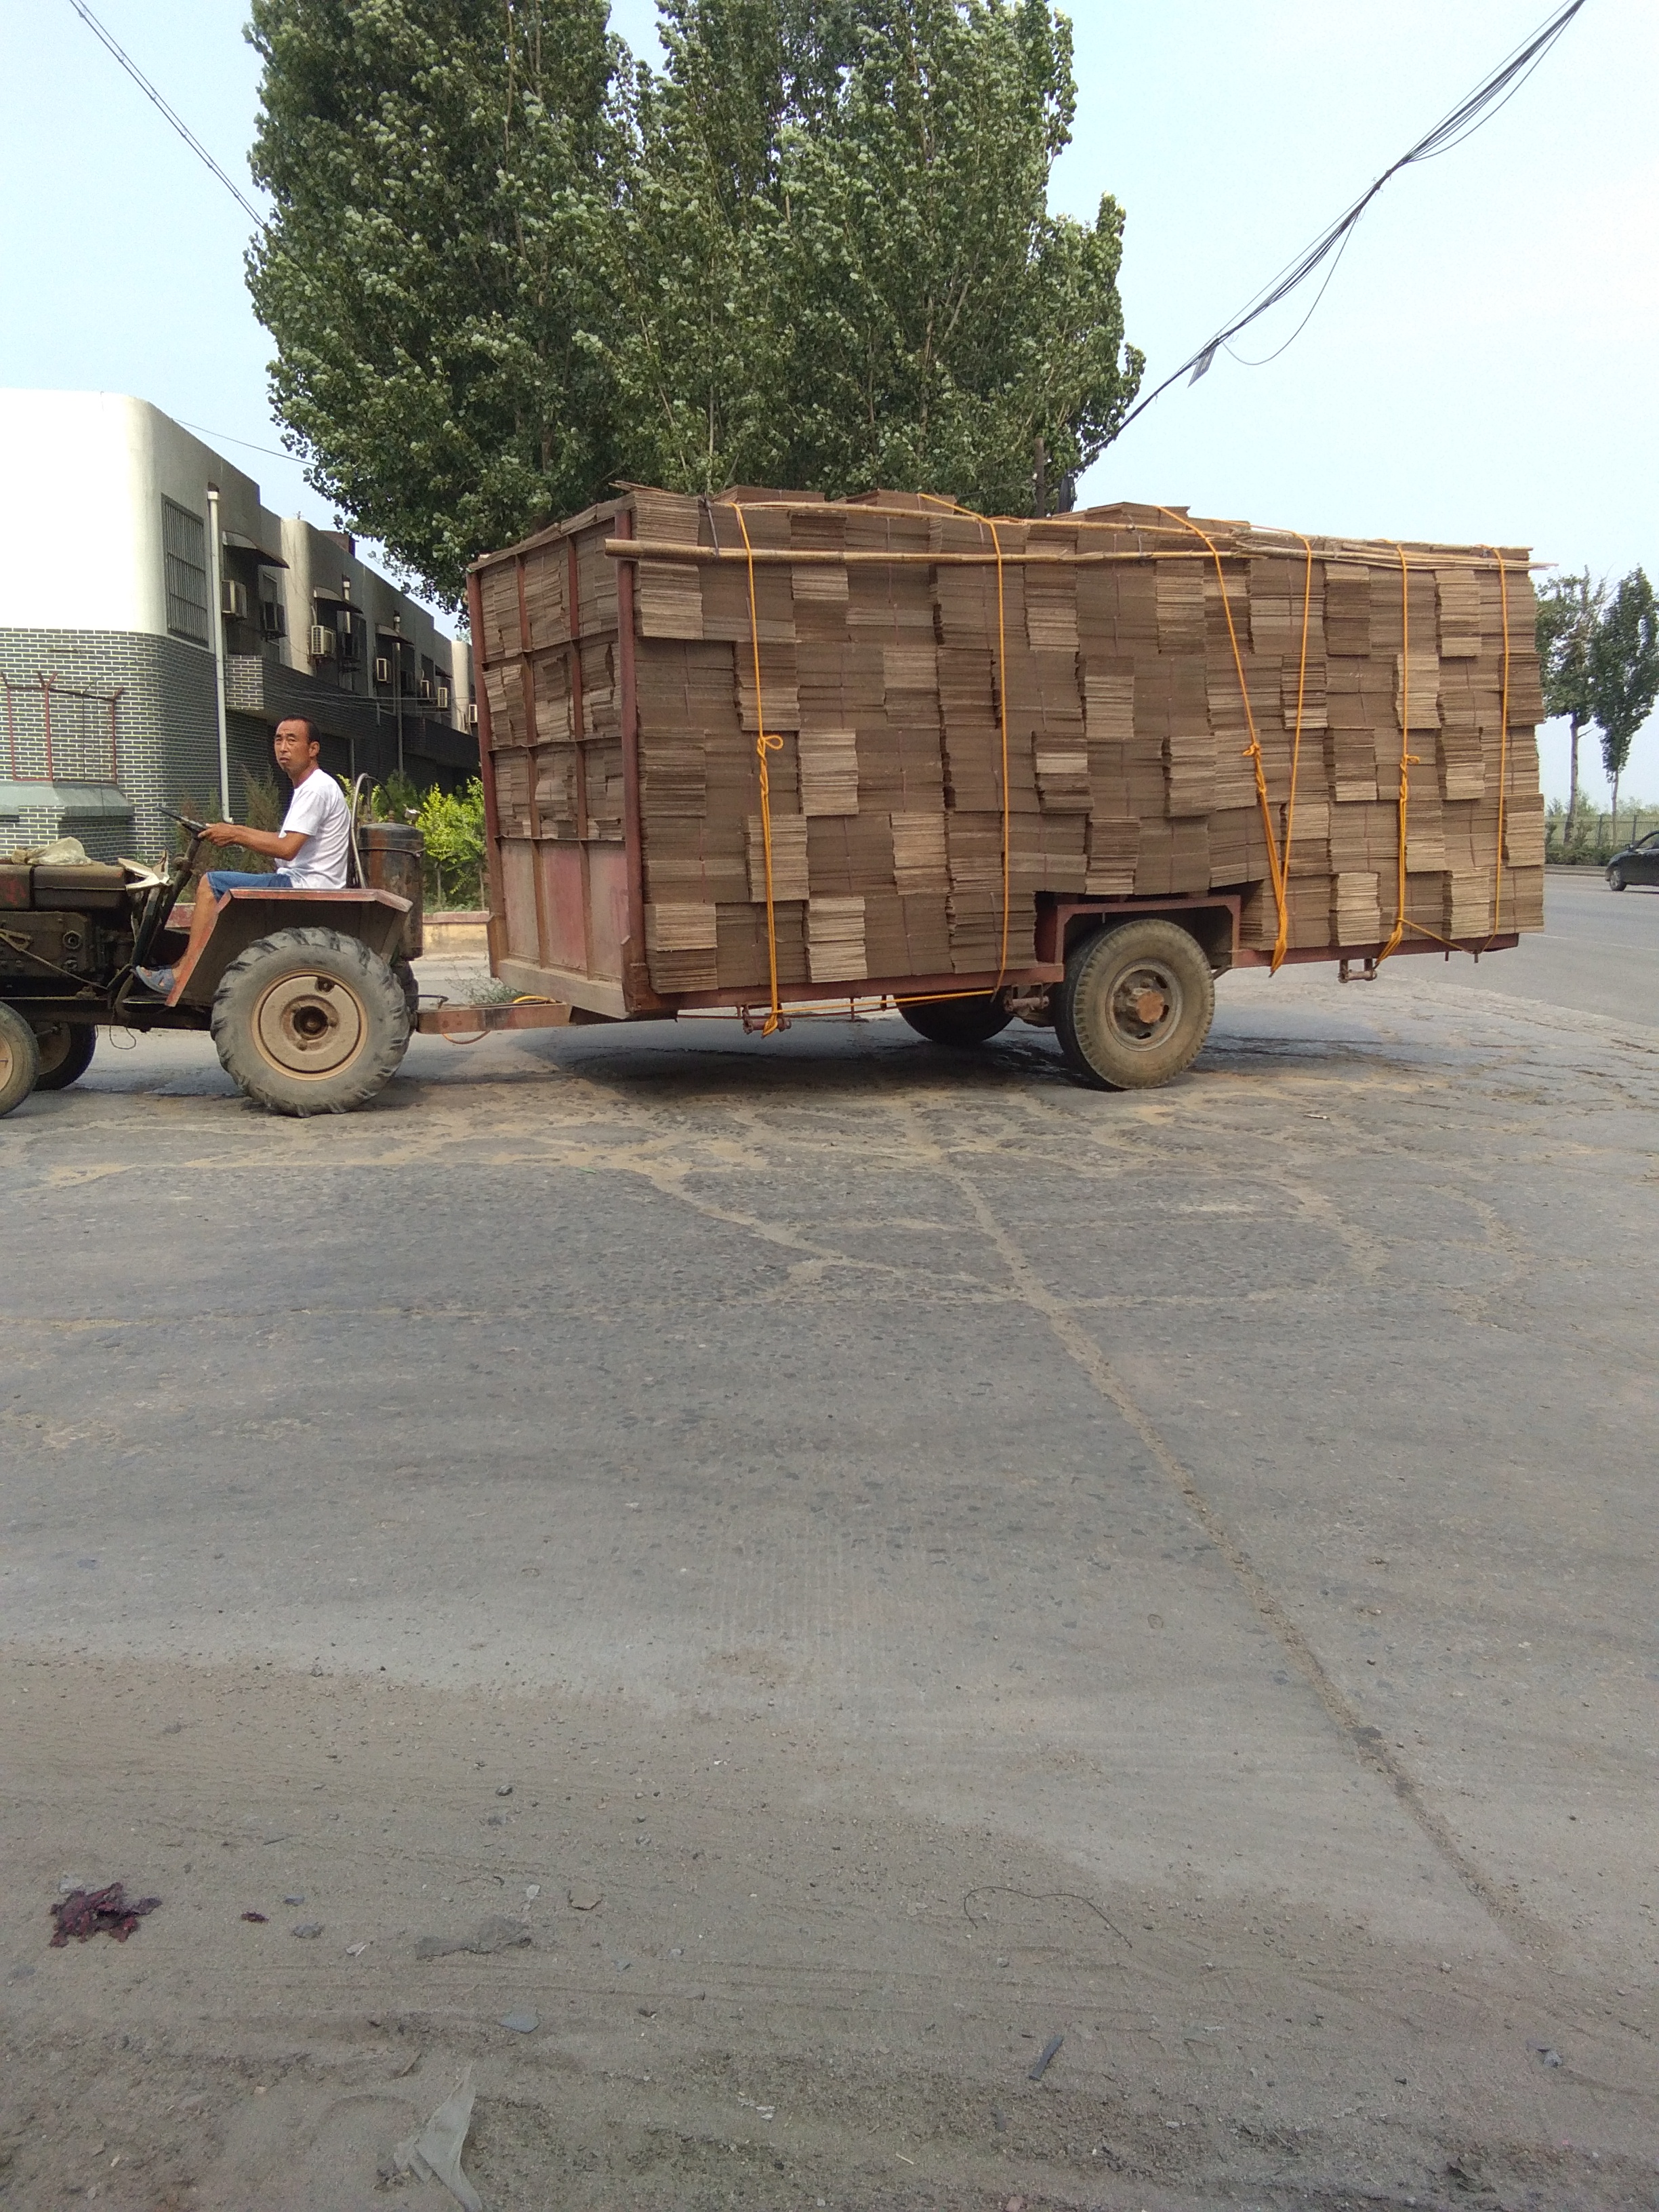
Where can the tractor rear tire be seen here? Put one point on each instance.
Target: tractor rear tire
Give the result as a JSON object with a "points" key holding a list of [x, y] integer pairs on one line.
{"points": [[19, 1059], [66, 1050], [1136, 1005], [959, 1022], [310, 1021]]}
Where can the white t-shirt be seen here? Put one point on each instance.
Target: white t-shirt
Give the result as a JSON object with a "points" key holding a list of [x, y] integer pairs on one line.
{"points": [[319, 808]]}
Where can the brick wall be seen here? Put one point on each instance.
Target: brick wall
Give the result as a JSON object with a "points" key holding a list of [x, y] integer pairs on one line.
{"points": [[166, 731]]}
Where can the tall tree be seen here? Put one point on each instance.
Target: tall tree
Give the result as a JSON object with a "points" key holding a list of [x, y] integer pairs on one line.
{"points": [[942, 318], [507, 267], [838, 261], [1624, 663], [443, 178], [1569, 609], [698, 359]]}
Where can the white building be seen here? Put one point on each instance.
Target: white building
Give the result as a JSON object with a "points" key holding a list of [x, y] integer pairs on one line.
{"points": [[157, 621]]}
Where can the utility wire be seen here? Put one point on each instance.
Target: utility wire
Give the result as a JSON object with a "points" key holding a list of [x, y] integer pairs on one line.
{"points": [[171, 115], [224, 438], [1470, 114]]}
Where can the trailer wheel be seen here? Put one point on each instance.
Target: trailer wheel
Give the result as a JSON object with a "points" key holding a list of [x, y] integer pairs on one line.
{"points": [[66, 1050], [1136, 1005], [19, 1059], [310, 1021], [959, 1022]]}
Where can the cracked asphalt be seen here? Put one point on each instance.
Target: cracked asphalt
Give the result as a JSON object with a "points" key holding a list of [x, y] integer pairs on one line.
{"points": [[871, 1560]]}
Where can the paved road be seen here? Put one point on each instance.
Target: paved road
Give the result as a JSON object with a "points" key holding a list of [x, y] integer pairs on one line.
{"points": [[871, 1561], [1597, 953]]}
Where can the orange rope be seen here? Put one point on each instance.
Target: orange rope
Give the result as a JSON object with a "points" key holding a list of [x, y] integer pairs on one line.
{"points": [[776, 1019], [1502, 745], [1406, 758], [984, 522], [1281, 939], [1252, 750]]}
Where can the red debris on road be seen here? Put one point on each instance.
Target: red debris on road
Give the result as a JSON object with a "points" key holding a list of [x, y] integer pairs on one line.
{"points": [[109, 1912]]}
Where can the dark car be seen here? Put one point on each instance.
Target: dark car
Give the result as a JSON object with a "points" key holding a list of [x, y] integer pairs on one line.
{"points": [[1636, 864]]}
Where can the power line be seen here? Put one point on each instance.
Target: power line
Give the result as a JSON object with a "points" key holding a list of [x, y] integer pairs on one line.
{"points": [[1470, 114], [224, 438], [172, 114]]}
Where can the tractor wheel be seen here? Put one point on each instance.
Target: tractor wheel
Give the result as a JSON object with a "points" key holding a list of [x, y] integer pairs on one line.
{"points": [[66, 1050], [959, 1022], [20, 1059], [310, 1021], [1136, 1005]]}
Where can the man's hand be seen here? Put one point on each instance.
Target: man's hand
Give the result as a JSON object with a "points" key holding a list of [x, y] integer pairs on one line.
{"points": [[225, 833]]}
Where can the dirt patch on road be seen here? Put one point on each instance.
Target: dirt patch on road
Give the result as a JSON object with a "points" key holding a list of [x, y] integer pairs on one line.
{"points": [[778, 1998]]}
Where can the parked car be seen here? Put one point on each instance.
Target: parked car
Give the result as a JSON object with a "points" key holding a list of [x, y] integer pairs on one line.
{"points": [[1636, 864]]}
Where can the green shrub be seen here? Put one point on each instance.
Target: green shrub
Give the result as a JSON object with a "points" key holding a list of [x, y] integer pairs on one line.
{"points": [[452, 824]]}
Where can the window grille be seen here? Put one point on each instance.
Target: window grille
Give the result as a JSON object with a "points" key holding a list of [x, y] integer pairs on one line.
{"points": [[54, 733], [183, 557]]}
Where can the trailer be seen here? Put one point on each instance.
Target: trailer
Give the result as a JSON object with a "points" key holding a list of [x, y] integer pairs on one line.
{"points": [[770, 754]]}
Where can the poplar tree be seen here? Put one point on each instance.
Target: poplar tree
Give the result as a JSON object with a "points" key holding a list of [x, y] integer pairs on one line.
{"points": [[1569, 609], [443, 175], [507, 265], [1624, 668]]}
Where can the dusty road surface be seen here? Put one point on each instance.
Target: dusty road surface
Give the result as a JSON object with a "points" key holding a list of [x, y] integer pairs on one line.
{"points": [[1598, 952], [868, 1562]]}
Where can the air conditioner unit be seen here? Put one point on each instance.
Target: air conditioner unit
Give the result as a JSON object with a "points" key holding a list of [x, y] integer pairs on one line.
{"points": [[472, 715], [233, 598], [428, 689], [383, 671], [321, 641], [443, 698], [273, 618]]}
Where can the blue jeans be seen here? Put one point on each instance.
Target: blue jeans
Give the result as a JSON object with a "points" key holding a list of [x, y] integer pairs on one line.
{"points": [[220, 880]]}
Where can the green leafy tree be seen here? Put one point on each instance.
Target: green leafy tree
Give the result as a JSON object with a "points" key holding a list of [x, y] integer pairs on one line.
{"points": [[1569, 609], [1624, 672], [840, 267], [443, 174], [507, 267], [942, 319]]}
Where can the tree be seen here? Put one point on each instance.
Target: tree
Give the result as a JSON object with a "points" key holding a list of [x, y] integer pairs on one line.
{"points": [[1624, 672], [443, 176], [892, 301], [1569, 609], [507, 267]]}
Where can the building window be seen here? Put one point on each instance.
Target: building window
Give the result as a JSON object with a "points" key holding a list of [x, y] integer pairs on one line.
{"points": [[183, 557]]}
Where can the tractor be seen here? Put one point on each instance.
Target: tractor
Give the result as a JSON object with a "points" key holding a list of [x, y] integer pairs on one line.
{"points": [[309, 995]]}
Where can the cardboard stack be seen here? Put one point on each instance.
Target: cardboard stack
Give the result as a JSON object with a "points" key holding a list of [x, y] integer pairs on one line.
{"points": [[1122, 697]]}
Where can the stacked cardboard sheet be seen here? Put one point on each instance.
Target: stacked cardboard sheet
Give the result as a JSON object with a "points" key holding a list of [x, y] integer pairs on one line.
{"points": [[1131, 705]]}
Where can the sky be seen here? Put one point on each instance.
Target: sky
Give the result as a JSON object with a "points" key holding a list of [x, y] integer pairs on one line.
{"points": [[1481, 367]]}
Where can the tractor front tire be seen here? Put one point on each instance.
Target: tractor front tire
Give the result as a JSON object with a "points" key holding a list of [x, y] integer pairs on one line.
{"points": [[66, 1050], [310, 1021], [20, 1059], [959, 1022]]}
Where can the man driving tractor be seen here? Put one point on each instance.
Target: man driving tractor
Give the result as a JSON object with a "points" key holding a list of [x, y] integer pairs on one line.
{"points": [[312, 849]]}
